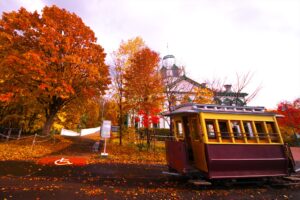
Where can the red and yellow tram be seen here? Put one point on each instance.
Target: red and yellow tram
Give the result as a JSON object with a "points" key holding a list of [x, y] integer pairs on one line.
{"points": [[226, 142]]}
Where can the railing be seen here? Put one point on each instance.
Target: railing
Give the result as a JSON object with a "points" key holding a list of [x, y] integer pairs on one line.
{"points": [[11, 133], [271, 137], [8, 134], [44, 138]]}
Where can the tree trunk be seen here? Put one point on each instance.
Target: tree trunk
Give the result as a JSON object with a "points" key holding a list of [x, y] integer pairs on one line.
{"points": [[121, 122], [50, 114], [147, 130], [148, 137], [48, 124]]}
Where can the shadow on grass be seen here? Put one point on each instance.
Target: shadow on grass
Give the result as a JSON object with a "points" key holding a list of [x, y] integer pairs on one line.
{"points": [[79, 145]]}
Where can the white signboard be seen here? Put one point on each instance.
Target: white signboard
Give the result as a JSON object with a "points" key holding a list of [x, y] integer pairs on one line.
{"points": [[105, 129]]}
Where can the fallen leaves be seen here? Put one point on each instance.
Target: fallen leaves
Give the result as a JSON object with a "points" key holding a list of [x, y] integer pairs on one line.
{"points": [[92, 191], [23, 149]]}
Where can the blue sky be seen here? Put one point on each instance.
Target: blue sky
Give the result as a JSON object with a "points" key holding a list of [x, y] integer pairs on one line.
{"points": [[213, 39]]}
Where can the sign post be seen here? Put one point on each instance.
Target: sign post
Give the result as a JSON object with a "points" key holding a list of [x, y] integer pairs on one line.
{"points": [[105, 133]]}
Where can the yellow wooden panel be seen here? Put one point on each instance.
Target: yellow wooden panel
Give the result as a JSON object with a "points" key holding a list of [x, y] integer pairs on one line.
{"points": [[199, 156], [226, 116]]}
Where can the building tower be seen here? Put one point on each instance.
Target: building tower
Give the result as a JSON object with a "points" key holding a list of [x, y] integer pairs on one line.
{"points": [[169, 68]]}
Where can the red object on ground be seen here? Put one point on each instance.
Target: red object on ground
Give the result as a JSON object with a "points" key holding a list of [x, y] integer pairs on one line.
{"points": [[296, 156], [62, 160]]}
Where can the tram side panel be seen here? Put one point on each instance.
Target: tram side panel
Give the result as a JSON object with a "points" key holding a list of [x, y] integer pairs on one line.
{"points": [[241, 161], [176, 155], [236, 155]]}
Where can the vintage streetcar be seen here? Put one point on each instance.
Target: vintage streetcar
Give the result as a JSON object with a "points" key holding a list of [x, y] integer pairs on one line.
{"points": [[223, 142]]}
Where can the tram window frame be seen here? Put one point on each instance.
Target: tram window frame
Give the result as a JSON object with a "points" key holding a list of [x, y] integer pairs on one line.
{"points": [[194, 128], [210, 129], [236, 129], [272, 131], [179, 129], [224, 134], [173, 127], [248, 129], [260, 130]]}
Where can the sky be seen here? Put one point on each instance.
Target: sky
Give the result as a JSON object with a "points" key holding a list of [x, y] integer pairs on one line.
{"points": [[212, 39]]}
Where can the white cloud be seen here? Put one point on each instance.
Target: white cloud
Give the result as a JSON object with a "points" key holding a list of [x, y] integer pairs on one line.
{"points": [[33, 5], [213, 39]]}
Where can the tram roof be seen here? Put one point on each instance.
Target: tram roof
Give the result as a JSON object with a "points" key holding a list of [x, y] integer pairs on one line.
{"points": [[212, 108]]}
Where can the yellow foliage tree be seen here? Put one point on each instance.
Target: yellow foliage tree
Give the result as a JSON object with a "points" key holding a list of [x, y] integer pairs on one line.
{"points": [[122, 60], [203, 95]]}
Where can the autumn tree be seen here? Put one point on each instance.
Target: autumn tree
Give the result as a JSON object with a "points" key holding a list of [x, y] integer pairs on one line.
{"points": [[203, 95], [237, 89], [50, 59], [121, 61], [143, 83], [109, 110], [290, 122]]}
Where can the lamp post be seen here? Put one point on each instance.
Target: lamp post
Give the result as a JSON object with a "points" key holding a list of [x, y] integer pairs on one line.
{"points": [[102, 114]]}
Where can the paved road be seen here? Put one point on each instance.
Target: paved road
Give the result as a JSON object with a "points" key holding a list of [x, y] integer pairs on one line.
{"points": [[27, 180]]}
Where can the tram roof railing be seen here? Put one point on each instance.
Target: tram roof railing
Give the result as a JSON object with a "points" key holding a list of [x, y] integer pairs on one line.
{"points": [[197, 108]]}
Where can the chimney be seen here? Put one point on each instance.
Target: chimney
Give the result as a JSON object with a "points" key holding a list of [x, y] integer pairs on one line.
{"points": [[203, 85], [227, 88]]}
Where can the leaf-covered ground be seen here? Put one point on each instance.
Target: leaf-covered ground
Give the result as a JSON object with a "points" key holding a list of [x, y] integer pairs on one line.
{"points": [[127, 173], [127, 153]]}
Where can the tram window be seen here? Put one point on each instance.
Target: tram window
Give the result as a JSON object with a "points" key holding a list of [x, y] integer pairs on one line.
{"points": [[194, 129], [179, 129], [236, 129], [224, 129], [271, 127], [260, 130], [248, 130], [210, 129], [272, 131]]}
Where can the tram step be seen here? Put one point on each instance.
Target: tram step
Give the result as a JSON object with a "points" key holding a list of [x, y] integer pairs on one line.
{"points": [[171, 173], [200, 182], [292, 178]]}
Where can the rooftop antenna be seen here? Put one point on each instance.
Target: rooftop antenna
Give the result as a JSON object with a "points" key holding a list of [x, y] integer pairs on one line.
{"points": [[167, 48]]}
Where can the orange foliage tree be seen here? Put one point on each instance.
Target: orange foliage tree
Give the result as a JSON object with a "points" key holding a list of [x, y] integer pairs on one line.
{"points": [[50, 59], [143, 83], [290, 123]]}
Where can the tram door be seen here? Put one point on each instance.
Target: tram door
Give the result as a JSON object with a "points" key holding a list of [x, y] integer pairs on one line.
{"points": [[179, 152], [197, 143], [188, 139]]}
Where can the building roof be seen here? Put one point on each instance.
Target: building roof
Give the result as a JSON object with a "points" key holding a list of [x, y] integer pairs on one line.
{"points": [[230, 94], [184, 78], [168, 56]]}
